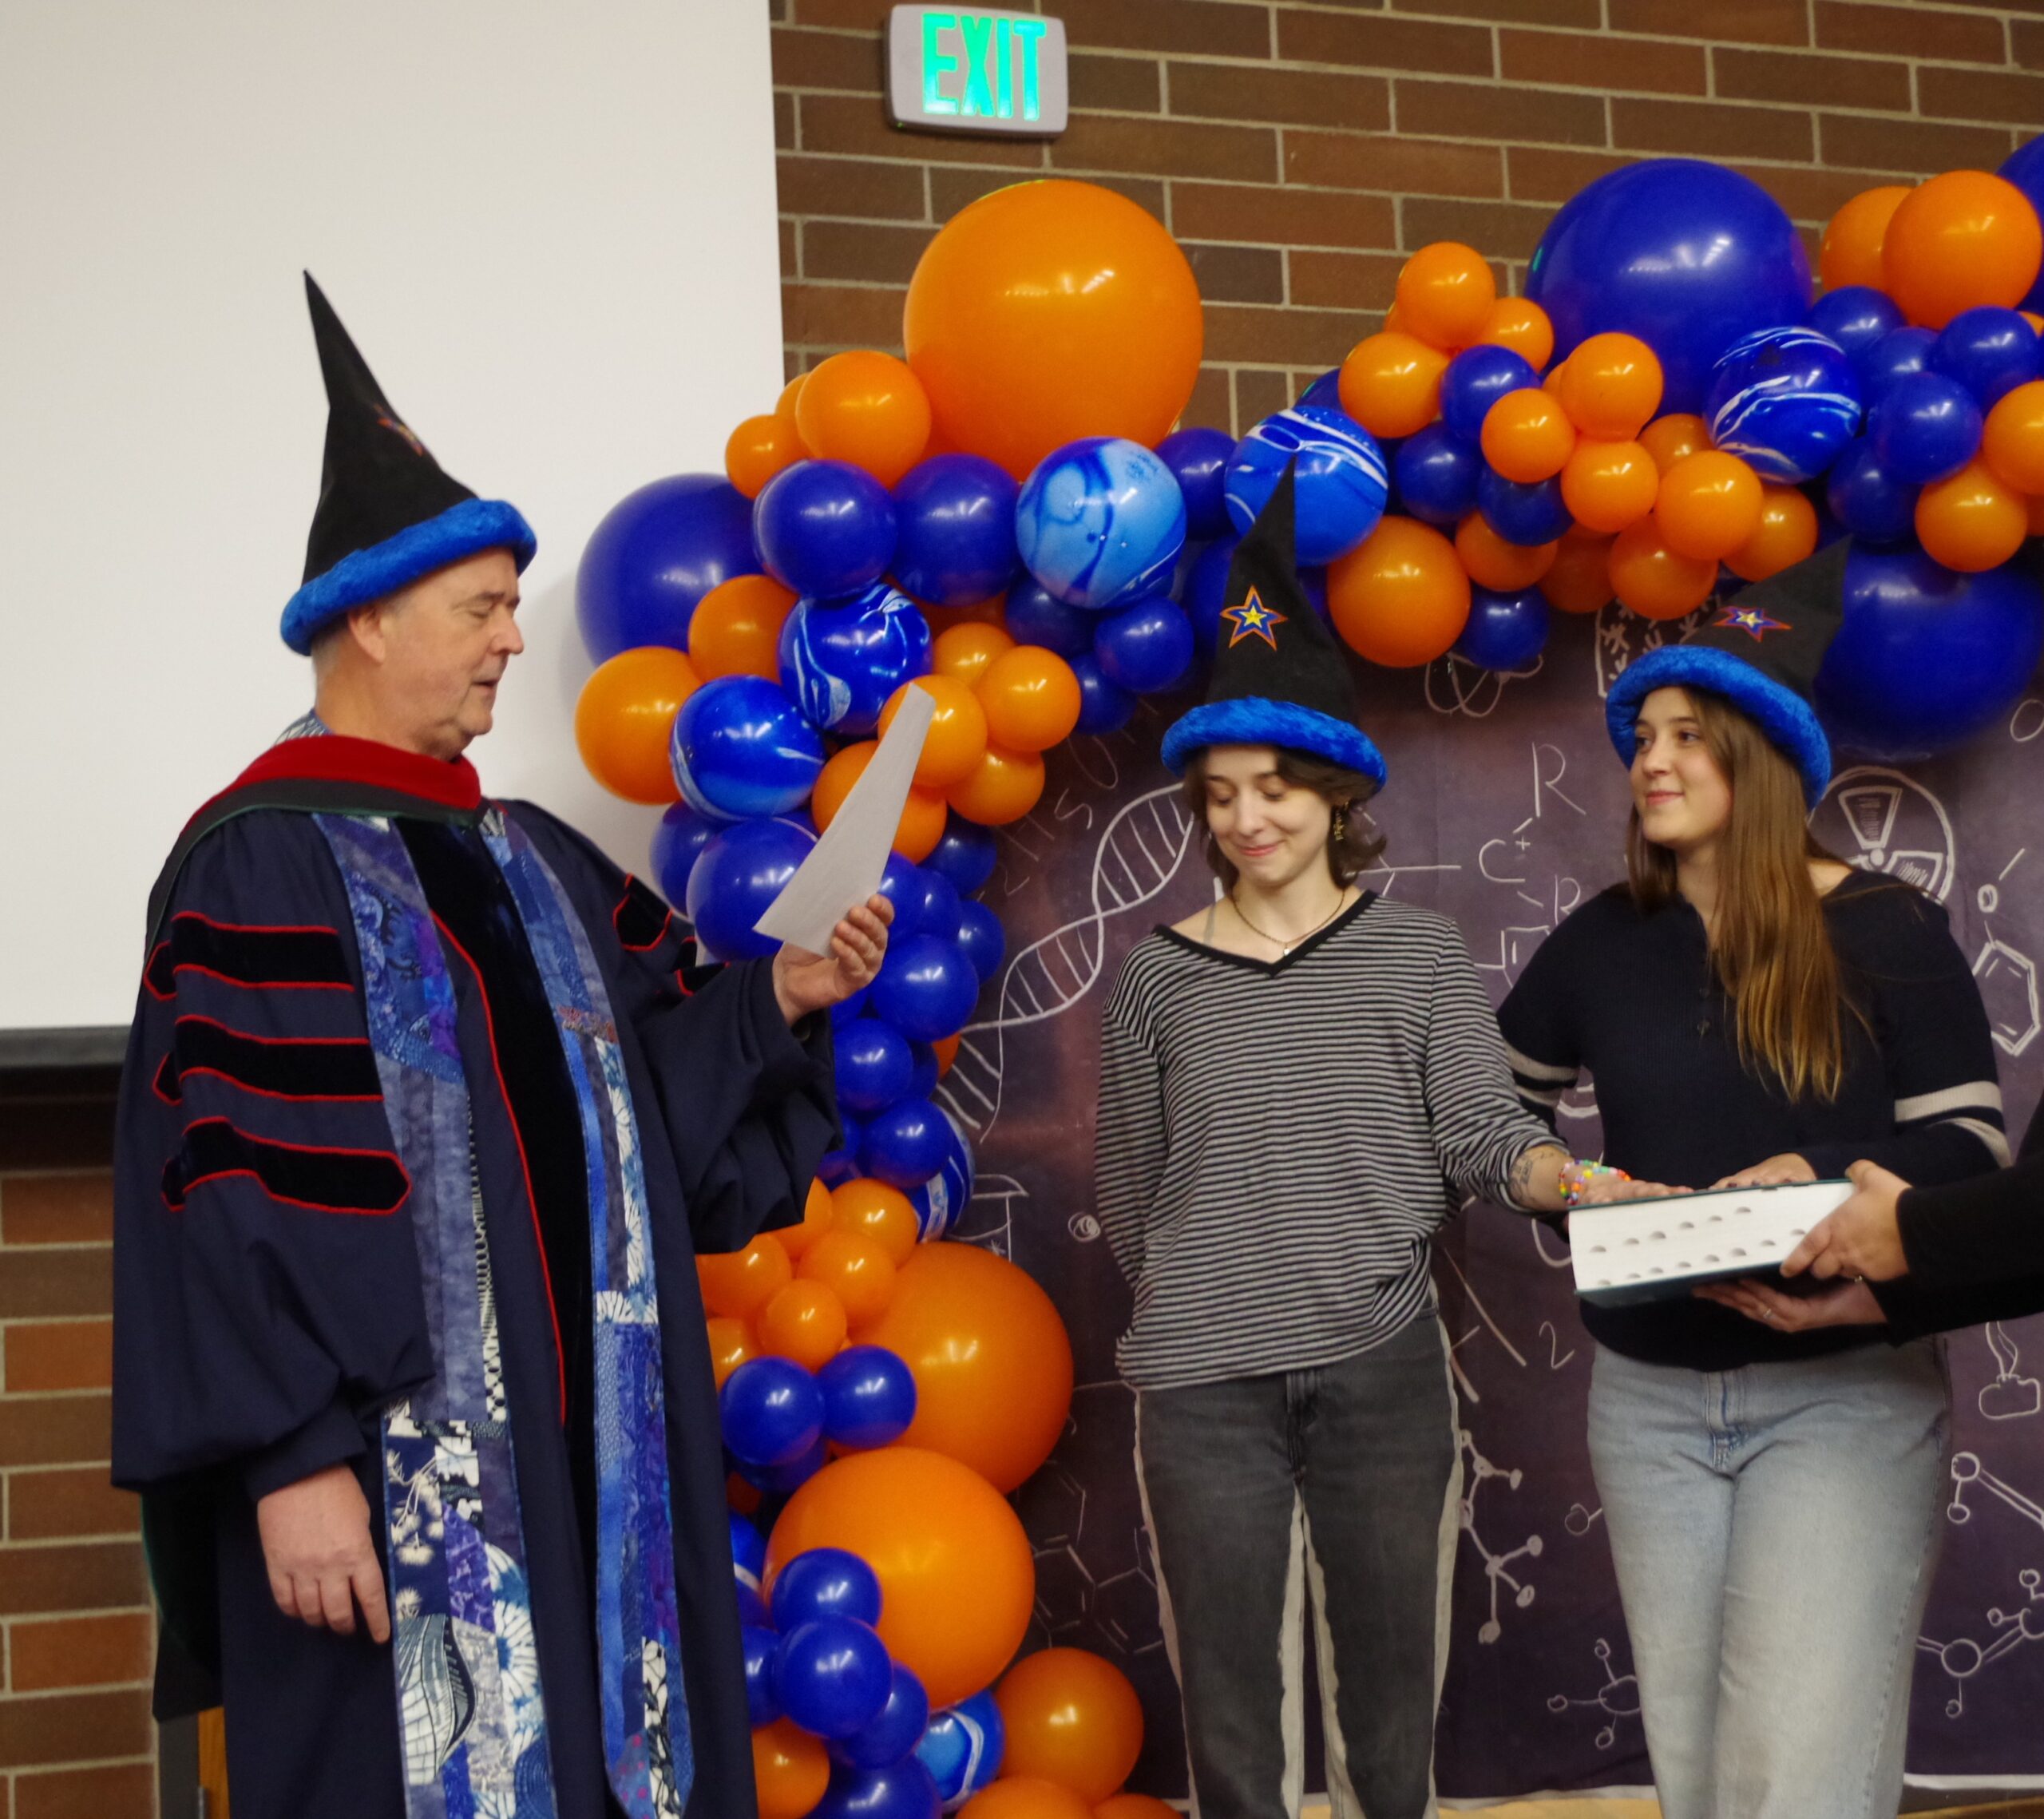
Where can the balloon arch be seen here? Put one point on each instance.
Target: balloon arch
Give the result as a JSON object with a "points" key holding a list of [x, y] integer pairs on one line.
{"points": [[1010, 520]]}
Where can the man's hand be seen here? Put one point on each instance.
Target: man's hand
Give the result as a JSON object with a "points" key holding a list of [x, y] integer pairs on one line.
{"points": [[1863, 1238], [1850, 1304], [1776, 1171], [322, 1562], [804, 982]]}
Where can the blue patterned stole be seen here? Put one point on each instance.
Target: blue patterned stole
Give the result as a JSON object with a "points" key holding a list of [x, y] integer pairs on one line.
{"points": [[470, 1706]]}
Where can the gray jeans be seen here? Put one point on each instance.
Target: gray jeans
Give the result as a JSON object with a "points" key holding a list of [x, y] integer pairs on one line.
{"points": [[1340, 1481]]}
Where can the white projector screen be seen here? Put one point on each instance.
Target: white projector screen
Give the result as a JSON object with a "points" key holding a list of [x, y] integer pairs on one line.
{"points": [[550, 228]]}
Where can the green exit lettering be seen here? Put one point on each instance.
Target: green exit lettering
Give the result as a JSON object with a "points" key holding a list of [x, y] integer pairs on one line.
{"points": [[979, 67]]}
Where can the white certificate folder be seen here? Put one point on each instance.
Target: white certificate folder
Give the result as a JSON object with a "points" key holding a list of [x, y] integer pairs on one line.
{"points": [[1636, 1251]]}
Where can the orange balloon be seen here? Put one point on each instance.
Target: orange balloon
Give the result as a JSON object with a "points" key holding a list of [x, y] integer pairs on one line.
{"points": [[1025, 1797], [1579, 578], [1401, 597], [991, 1358], [1445, 292], [731, 1344], [1674, 437], [1851, 252], [1655, 581], [1050, 311], [866, 408], [1390, 383], [2012, 443], [872, 1209], [946, 1047], [1709, 505], [1613, 386], [804, 1321], [992, 610], [2037, 518], [957, 1581], [2035, 321], [1557, 374], [1960, 240], [922, 824], [855, 1268], [1786, 534], [957, 734], [735, 629], [1971, 522], [1490, 562], [1527, 436], [1071, 1718], [1031, 697], [791, 1770], [1522, 326], [740, 1283], [1135, 1806], [964, 652], [1608, 485], [791, 396], [816, 1220], [624, 720], [759, 448], [1003, 788]]}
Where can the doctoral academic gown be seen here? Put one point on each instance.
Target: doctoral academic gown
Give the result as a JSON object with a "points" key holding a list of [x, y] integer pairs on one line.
{"points": [[267, 1297]]}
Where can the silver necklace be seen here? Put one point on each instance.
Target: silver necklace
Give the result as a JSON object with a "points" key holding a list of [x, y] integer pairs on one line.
{"points": [[1285, 948]]}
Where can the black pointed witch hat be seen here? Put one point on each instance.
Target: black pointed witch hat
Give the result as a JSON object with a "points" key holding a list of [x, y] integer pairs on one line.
{"points": [[388, 513], [1761, 651], [1278, 678]]}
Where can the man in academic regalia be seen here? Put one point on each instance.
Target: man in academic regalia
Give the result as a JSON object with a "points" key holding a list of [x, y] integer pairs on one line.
{"points": [[425, 1115]]}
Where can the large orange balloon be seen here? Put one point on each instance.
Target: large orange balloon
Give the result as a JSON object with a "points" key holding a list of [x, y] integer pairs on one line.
{"points": [[731, 1343], [1579, 578], [1960, 240], [1850, 253], [1051, 311], [1025, 1797], [1527, 436], [1608, 485], [883, 1214], [739, 1283], [1490, 562], [1674, 437], [1445, 293], [1031, 697], [866, 408], [1390, 383], [957, 1581], [1786, 534], [806, 1321], [1135, 1806], [1971, 522], [759, 448], [1071, 1718], [1612, 386], [1522, 326], [957, 733], [1401, 597], [735, 629], [624, 719], [1004, 787], [791, 1770], [922, 824], [2012, 443], [856, 1268], [990, 1357], [1709, 505], [791, 396], [1655, 581], [966, 651]]}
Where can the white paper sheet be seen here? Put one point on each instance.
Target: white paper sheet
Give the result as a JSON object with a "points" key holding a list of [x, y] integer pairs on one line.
{"points": [[844, 868]]}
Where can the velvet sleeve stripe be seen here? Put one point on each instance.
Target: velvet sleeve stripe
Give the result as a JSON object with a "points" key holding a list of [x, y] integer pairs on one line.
{"points": [[274, 959], [312, 1068], [321, 1180]]}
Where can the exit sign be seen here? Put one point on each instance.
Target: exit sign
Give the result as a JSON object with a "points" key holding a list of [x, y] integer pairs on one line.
{"points": [[954, 71]]}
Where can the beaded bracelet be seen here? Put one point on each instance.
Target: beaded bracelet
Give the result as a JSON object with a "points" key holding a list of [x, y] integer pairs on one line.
{"points": [[1576, 1176]]}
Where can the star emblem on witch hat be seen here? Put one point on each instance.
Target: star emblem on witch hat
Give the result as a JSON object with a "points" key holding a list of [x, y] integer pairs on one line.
{"points": [[1254, 619]]}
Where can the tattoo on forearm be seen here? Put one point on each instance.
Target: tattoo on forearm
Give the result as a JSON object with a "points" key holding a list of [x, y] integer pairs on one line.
{"points": [[1519, 1183]]}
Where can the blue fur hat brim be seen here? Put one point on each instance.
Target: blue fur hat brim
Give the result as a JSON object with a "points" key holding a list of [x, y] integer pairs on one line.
{"points": [[366, 575], [1783, 715], [1251, 720]]}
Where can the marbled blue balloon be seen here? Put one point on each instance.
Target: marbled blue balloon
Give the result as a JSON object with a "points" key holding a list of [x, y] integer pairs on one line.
{"points": [[742, 748], [1784, 400], [1341, 479], [963, 1748], [842, 661], [1100, 522], [940, 1201]]}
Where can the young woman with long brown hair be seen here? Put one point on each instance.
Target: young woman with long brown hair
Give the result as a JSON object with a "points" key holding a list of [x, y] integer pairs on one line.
{"points": [[1753, 1011]]}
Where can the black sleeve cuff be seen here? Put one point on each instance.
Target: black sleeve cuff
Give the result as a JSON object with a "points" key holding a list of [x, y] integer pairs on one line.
{"points": [[329, 1438]]}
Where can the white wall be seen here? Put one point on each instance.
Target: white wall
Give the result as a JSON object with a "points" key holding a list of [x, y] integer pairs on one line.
{"points": [[551, 229]]}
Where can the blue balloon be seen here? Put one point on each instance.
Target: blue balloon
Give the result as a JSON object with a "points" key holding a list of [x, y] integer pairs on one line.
{"points": [[940, 1200], [1198, 460], [770, 1412], [1988, 351], [736, 876], [1689, 256], [1866, 501], [762, 1704], [825, 1582], [926, 988], [965, 854], [1144, 648], [1927, 658], [1104, 708], [1899, 355], [1206, 592], [906, 1145], [1924, 428], [839, 1166], [654, 554], [841, 659], [936, 904], [892, 1737], [1525, 512], [748, 1550], [1856, 316], [923, 1077], [785, 1480], [2024, 167], [678, 841], [955, 530], [901, 1790], [832, 1676], [1505, 631], [824, 528], [1036, 616], [1784, 400], [1100, 522], [963, 1748], [1437, 473], [901, 884], [1339, 477], [751, 1607], [869, 1397], [1325, 391], [846, 1010], [1475, 379], [742, 748], [872, 1066], [981, 939]]}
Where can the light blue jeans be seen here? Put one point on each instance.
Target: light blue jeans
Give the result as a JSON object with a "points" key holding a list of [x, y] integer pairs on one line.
{"points": [[1775, 1529]]}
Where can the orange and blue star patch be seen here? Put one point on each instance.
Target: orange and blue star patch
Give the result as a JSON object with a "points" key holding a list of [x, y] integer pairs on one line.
{"points": [[1751, 620], [1253, 619]]}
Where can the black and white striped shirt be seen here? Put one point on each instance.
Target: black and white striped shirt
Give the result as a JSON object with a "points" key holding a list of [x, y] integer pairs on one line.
{"points": [[1275, 1140]]}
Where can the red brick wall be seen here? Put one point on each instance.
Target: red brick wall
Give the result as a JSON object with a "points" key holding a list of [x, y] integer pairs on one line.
{"points": [[1300, 151]]}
